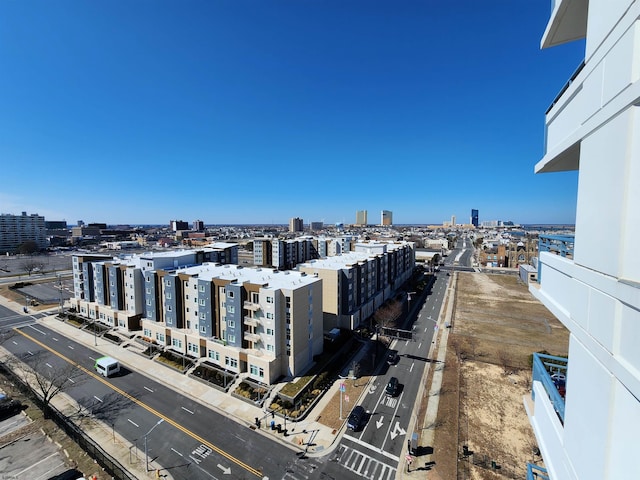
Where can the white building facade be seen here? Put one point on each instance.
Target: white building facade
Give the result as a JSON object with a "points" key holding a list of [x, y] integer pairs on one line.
{"points": [[593, 127]]}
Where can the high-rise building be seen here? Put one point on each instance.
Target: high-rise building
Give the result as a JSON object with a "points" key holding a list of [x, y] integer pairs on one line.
{"points": [[474, 217], [361, 217], [585, 410], [177, 225], [317, 226], [453, 220], [17, 229], [386, 218], [296, 225], [198, 226]]}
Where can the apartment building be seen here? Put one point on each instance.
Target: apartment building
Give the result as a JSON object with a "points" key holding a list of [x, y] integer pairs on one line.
{"points": [[110, 289], [257, 321], [17, 229], [587, 429], [357, 283], [296, 224]]}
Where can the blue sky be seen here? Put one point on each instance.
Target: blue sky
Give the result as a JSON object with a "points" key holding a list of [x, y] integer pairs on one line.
{"points": [[235, 111]]}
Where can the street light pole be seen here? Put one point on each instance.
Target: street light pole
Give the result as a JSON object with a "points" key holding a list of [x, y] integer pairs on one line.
{"points": [[60, 287], [146, 455]]}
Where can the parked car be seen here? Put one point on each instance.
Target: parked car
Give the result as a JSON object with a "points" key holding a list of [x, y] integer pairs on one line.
{"points": [[356, 418], [8, 406], [392, 387]]}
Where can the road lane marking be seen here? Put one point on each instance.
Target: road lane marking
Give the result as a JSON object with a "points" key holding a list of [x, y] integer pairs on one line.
{"points": [[148, 408], [147, 388], [186, 410], [133, 423]]}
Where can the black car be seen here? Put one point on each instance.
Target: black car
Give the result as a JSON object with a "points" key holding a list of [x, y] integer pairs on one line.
{"points": [[392, 387], [393, 358], [356, 417]]}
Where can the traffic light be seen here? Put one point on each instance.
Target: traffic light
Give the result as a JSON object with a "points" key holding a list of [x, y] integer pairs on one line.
{"points": [[257, 422]]}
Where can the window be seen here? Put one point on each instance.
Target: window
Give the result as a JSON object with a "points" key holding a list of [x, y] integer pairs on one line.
{"points": [[167, 295], [231, 324], [148, 279], [201, 302], [256, 371], [203, 329], [214, 355], [169, 308], [146, 332], [269, 299], [270, 348], [270, 331], [287, 302], [176, 342], [288, 351], [231, 362], [187, 296], [160, 337], [149, 291], [231, 309], [270, 315], [148, 303], [203, 316], [193, 348], [230, 294], [231, 338], [201, 288]]}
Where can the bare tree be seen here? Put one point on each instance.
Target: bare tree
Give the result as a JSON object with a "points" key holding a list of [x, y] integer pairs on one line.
{"points": [[387, 316], [31, 265], [505, 361], [44, 376]]}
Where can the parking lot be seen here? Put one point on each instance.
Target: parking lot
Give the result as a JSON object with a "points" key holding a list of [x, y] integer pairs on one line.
{"points": [[25, 452]]}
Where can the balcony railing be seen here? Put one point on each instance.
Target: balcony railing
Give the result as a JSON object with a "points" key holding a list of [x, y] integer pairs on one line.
{"points": [[251, 337], [534, 472], [254, 307], [251, 321], [559, 244], [551, 372], [565, 87]]}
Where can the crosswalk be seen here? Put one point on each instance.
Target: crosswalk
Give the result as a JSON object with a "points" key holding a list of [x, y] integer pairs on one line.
{"points": [[302, 469], [364, 465]]}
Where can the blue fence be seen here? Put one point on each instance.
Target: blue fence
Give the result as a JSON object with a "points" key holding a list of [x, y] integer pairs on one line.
{"points": [[552, 373], [534, 472], [559, 244]]}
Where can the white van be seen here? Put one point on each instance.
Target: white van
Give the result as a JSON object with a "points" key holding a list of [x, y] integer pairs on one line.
{"points": [[107, 366]]}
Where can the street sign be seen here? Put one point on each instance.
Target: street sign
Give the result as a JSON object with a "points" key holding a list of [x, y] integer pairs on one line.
{"points": [[343, 388], [346, 398], [408, 458]]}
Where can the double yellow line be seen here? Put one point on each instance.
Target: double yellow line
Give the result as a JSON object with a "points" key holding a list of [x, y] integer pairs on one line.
{"points": [[228, 456]]}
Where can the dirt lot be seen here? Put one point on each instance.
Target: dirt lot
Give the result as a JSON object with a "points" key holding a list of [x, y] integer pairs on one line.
{"points": [[497, 324]]}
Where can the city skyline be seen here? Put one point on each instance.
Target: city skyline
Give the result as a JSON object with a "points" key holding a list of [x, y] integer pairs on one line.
{"points": [[130, 114]]}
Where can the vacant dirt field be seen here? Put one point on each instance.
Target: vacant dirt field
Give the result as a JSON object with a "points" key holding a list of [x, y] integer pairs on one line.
{"points": [[497, 324]]}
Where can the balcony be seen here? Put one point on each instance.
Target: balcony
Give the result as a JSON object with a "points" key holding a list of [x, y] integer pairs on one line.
{"points": [[251, 337], [252, 306], [251, 321], [551, 372], [561, 245], [534, 472]]}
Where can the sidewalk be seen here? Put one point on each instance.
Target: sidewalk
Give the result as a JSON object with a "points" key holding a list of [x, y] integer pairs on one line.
{"points": [[308, 435]]}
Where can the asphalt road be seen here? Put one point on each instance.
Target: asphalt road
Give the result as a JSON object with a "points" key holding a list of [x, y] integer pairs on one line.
{"points": [[192, 442]]}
